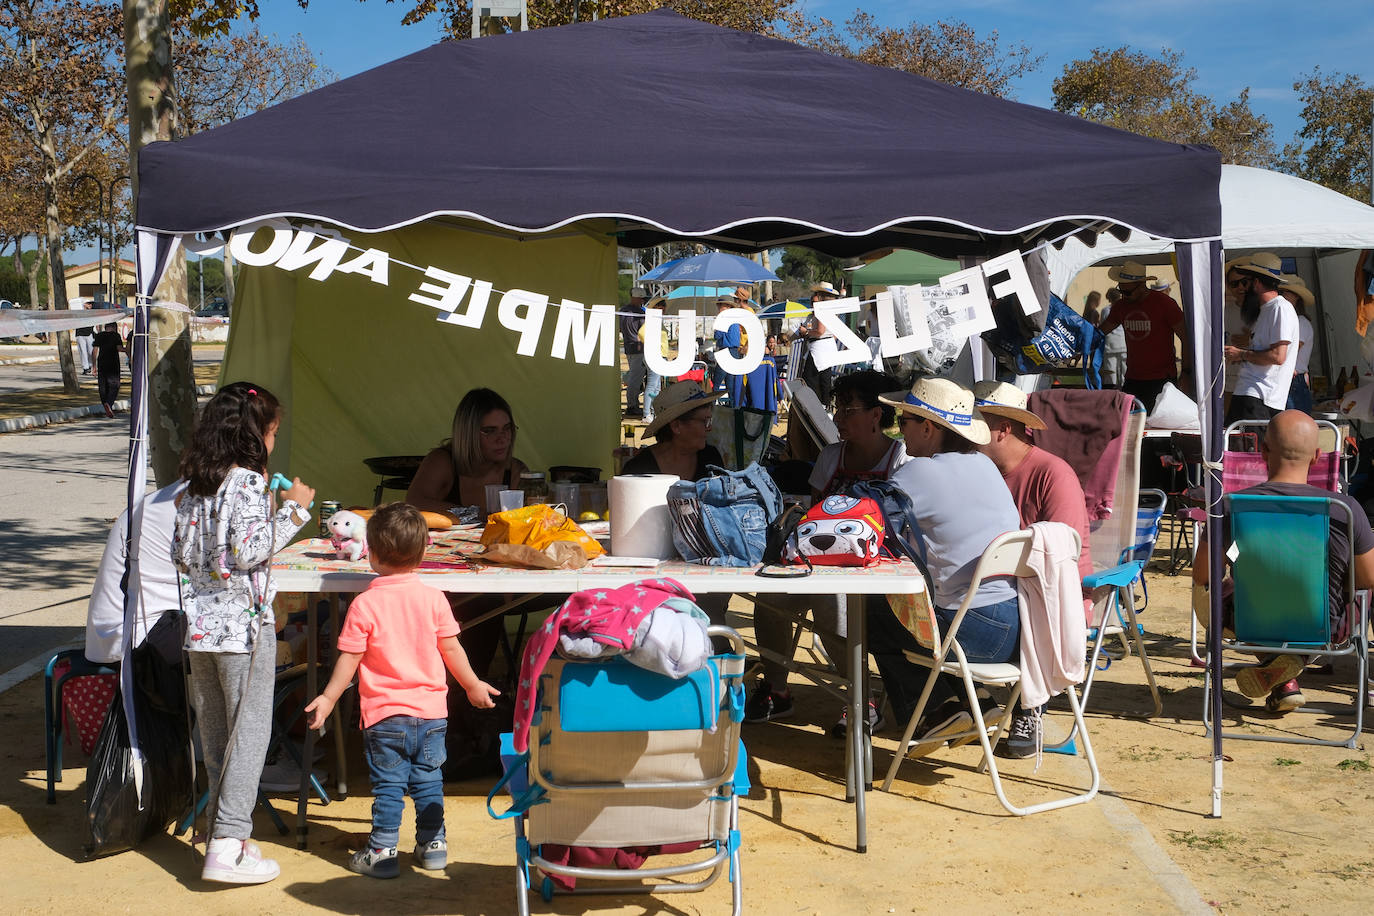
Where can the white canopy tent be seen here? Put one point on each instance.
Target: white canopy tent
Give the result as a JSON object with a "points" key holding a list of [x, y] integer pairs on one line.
{"points": [[1321, 229]]}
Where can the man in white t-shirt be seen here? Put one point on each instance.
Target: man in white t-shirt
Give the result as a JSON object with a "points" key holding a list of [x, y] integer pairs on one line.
{"points": [[1267, 365]]}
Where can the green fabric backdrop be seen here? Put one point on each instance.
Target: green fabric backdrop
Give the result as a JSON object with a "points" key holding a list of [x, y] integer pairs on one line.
{"points": [[363, 371]]}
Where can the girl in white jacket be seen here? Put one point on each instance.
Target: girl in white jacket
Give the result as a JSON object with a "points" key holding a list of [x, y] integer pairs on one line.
{"points": [[226, 532]]}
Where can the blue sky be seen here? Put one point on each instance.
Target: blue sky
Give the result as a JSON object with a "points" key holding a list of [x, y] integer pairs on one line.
{"points": [[1232, 44]]}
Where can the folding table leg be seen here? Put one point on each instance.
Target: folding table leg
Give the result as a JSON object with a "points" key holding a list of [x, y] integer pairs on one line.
{"points": [[858, 715]]}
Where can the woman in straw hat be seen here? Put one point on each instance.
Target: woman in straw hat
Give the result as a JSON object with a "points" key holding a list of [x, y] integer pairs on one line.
{"points": [[1294, 289], [960, 504], [682, 418]]}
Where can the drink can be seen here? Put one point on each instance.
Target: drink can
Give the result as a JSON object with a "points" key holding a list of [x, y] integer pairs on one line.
{"points": [[327, 508]]}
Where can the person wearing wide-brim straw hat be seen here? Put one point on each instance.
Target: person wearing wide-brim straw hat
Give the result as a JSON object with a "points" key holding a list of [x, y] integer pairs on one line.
{"points": [[1268, 362], [1151, 320], [1294, 289], [682, 418], [960, 504], [1044, 488]]}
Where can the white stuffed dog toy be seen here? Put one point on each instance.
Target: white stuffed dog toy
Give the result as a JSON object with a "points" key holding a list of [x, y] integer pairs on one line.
{"points": [[348, 534]]}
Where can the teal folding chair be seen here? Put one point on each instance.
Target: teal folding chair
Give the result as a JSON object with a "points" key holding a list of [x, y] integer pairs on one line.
{"points": [[1280, 565]]}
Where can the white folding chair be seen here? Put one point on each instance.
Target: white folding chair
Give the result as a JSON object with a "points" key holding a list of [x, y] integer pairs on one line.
{"points": [[1007, 555]]}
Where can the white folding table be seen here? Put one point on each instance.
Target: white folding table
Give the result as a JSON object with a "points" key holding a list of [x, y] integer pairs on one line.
{"points": [[307, 566]]}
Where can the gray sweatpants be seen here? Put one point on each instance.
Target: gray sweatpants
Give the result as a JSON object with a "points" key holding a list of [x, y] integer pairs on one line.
{"points": [[232, 693]]}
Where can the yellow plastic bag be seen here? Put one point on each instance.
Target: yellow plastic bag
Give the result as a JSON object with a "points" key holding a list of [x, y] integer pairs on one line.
{"points": [[537, 526]]}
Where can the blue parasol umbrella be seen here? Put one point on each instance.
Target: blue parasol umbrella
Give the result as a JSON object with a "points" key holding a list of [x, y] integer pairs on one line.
{"points": [[714, 267], [652, 275]]}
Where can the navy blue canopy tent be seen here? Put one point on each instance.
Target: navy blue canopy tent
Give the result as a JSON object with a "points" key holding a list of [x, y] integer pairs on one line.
{"points": [[527, 133]]}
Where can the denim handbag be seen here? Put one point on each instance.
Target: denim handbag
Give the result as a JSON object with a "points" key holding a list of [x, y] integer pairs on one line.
{"points": [[722, 520]]}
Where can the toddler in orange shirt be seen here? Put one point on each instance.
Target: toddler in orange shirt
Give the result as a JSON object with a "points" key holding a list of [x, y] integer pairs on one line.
{"points": [[398, 637]]}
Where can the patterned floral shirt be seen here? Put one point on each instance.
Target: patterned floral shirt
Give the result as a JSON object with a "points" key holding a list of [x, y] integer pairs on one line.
{"points": [[222, 548]]}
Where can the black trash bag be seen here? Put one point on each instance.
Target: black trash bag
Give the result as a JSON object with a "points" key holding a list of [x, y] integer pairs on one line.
{"points": [[118, 815]]}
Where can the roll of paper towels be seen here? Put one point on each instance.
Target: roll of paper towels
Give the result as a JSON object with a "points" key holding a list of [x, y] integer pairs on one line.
{"points": [[640, 523]]}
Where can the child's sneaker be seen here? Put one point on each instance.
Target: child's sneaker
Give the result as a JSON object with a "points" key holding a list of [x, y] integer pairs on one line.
{"points": [[231, 861], [374, 862], [433, 856]]}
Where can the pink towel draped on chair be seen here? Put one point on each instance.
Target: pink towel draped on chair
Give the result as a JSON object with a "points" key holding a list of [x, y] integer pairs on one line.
{"points": [[1085, 429]]}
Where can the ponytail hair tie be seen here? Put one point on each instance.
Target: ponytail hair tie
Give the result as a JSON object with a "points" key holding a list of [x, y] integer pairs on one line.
{"points": [[252, 392]]}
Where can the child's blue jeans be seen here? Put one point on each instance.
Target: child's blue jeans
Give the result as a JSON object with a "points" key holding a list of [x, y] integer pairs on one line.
{"points": [[405, 755]]}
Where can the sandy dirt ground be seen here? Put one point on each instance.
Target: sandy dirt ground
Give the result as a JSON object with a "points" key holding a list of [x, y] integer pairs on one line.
{"points": [[1295, 835]]}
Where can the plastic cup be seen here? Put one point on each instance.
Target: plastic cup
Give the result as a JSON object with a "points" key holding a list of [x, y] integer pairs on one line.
{"points": [[494, 497], [512, 499], [566, 493]]}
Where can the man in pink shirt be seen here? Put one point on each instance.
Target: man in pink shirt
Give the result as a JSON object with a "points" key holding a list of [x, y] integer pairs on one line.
{"points": [[1044, 488], [399, 636]]}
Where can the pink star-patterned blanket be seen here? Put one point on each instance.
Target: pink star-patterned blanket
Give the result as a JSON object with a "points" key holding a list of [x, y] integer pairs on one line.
{"points": [[608, 616]]}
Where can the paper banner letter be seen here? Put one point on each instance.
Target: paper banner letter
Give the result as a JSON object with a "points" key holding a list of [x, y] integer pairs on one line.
{"points": [[589, 331], [328, 254], [966, 302], [850, 349], [1017, 284], [240, 240], [902, 307], [523, 311], [477, 307], [444, 297], [373, 264], [753, 329], [202, 247], [653, 356]]}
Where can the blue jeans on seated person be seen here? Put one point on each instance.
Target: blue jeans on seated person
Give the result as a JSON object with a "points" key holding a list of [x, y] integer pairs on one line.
{"points": [[988, 634], [406, 755]]}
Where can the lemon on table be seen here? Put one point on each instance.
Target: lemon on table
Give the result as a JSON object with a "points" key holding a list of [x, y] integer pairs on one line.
{"points": [[589, 516]]}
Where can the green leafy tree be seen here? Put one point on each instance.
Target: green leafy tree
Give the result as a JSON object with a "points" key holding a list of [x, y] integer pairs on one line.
{"points": [[59, 93], [1154, 95], [1332, 146], [950, 51]]}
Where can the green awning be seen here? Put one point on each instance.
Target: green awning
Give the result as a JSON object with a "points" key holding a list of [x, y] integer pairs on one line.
{"points": [[903, 268]]}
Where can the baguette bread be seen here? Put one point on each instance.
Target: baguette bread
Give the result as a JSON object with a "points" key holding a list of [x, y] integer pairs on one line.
{"points": [[436, 521]]}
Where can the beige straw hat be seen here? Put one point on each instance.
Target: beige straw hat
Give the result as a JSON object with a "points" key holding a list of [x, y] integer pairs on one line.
{"points": [[1261, 263], [1005, 401], [1299, 286], [944, 402], [677, 399], [1130, 272]]}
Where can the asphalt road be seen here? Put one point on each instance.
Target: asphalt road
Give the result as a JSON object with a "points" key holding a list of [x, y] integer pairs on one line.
{"points": [[28, 376], [61, 487]]}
